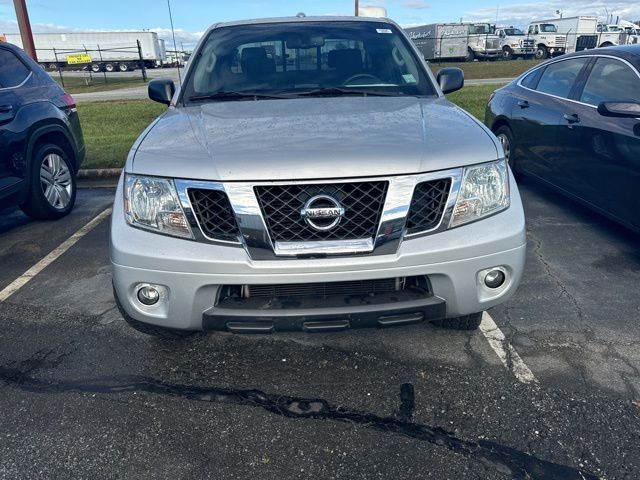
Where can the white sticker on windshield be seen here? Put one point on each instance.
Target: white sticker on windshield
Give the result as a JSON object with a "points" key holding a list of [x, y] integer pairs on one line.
{"points": [[408, 78], [383, 30]]}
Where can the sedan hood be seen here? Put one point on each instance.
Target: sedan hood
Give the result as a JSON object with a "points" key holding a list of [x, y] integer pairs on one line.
{"points": [[312, 138]]}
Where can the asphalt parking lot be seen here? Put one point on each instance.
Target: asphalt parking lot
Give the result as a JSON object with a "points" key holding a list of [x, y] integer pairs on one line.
{"points": [[558, 396]]}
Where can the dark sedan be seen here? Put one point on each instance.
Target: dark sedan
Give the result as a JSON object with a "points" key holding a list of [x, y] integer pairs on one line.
{"points": [[41, 143], [574, 123]]}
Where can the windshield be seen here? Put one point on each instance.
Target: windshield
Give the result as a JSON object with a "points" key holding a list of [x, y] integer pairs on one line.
{"points": [[482, 29], [548, 28], [284, 60], [513, 31]]}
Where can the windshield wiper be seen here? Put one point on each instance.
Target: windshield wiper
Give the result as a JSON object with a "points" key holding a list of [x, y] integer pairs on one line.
{"points": [[343, 91], [232, 95]]}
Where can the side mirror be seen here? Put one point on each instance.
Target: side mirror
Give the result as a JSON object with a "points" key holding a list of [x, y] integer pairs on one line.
{"points": [[161, 90], [450, 79], [619, 109]]}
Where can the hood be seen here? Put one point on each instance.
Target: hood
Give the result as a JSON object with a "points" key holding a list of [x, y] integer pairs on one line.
{"points": [[312, 138]]}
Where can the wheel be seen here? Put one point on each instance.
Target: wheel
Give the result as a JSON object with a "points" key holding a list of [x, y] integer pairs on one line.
{"points": [[95, 67], [466, 322], [507, 53], [52, 66], [541, 52], [470, 55], [505, 135], [109, 67], [123, 67], [606, 44], [52, 184], [151, 330]]}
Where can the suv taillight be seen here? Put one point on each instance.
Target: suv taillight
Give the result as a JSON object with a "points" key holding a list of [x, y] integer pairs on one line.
{"points": [[68, 100]]}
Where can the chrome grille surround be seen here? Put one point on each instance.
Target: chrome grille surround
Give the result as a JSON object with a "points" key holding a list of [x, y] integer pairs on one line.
{"points": [[254, 234]]}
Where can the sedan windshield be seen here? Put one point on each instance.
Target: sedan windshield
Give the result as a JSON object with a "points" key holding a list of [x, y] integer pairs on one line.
{"points": [[291, 59]]}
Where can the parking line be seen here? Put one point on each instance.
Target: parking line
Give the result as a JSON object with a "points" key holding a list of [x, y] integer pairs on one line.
{"points": [[23, 279], [505, 351]]}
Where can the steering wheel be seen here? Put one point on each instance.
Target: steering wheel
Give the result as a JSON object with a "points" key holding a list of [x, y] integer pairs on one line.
{"points": [[361, 75]]}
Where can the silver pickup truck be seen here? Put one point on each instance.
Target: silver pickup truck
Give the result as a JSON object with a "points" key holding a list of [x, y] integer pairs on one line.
{"points": [[310, 175]]}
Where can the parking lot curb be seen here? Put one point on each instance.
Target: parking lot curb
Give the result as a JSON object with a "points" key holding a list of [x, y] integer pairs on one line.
{"points": [[96, 173]]}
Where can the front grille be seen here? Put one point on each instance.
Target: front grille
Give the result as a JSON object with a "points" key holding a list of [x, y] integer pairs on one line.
{"points": [[281, 207], [427, 205], [324, 290], [529, 43], [214, 214], [560, 41]]}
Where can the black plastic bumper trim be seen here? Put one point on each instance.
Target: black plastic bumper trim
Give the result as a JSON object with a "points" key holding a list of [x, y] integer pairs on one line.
{"points": [[239, 320]]}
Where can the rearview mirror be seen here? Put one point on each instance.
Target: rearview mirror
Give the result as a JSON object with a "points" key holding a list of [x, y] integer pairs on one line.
{"points": [[450, 79], [161, 90], [619, 109]]}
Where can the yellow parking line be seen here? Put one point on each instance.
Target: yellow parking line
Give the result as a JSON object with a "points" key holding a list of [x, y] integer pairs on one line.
{"points": [[23, 279]]}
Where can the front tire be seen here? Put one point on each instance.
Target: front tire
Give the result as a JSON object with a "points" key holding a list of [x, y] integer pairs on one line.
{"points": [[466, 322], [507, 53], [52, 184], [505, 135], [470, 55], [541, 52], [109, 67]]}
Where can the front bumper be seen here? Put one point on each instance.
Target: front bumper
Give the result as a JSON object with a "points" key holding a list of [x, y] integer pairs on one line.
{"points": [[191, 274], [488, 53]]}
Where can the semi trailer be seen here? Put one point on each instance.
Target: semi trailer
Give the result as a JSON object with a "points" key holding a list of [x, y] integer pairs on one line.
{"points": [[100, 51]]}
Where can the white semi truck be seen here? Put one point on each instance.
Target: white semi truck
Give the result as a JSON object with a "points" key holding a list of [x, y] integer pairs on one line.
{"points": [[483, 42], [515, 43], [572, 34], [109, 51]]}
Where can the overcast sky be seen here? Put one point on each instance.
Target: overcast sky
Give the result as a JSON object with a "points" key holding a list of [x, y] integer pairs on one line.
{"points": [[192, 17]]}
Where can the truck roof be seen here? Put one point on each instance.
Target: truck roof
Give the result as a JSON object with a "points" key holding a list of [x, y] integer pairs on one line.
{"points": [[257, 21]]}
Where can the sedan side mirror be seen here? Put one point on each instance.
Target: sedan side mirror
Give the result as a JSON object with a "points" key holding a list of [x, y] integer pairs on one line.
{"points": [[161, 90], [450, 79], [619, 109]]}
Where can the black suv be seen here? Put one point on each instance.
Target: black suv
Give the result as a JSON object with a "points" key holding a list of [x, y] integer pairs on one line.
{"points": [[41, 143]]}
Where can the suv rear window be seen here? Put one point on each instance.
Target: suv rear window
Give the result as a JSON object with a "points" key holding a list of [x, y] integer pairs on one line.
{"points": [[298, 58], [12, 71]]}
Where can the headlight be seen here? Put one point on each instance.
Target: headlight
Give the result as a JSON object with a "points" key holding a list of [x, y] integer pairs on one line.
{"points": [[484, 191], [152, 203]]}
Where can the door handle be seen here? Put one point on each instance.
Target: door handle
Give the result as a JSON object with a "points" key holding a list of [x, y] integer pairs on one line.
{"points": [[523, 104], [573, 118], [5, 108]]}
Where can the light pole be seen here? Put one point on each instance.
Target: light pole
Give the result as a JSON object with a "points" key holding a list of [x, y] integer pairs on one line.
{"points": [[25, 28], [357, 7]]}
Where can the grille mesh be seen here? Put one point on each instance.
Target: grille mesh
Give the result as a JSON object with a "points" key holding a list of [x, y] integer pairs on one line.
{"points": [[215, 216], [427, 205], [281, 206], [323, 290]]}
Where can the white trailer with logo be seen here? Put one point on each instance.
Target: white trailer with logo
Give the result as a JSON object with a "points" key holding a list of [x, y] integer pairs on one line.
{"points": [[109, 51], [441, 41]]}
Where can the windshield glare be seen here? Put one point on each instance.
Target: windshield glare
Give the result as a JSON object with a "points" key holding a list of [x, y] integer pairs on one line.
{"points": [[548, 28], [306, 58]]}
